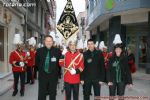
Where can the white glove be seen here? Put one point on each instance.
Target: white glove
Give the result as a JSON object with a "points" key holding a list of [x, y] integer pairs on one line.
{"points": [[21, 64], [101, 83], [130, 86], [82, 82], [110, 83], [28, 53], [72, 71]]}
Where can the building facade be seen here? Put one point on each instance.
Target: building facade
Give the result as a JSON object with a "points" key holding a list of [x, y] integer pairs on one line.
{"points": [[129, 18], [82, 34], [51, 17], [81, 23], [26, 20]]}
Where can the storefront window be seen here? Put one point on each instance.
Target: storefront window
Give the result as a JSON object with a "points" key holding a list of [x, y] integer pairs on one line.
{"points": [[143, 48], [137, 39]]}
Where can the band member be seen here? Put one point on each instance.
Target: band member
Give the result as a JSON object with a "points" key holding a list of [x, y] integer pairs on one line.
{"points": [[105, 53], [47, 60], [31, 60], [131, 61], [73, 64], [93, 74], [17, 60], [118, 73]]}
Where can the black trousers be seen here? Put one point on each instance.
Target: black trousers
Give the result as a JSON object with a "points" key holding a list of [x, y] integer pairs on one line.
{"points": [[47, 85], [117, 89], [87, 89], [18, 75], [30, 74], [69, 88], [35, 72]]}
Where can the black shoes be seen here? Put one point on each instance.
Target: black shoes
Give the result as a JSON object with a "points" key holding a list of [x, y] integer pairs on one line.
{"points": [[32, 83], [15, 93], [21, 93], [27, 82]]}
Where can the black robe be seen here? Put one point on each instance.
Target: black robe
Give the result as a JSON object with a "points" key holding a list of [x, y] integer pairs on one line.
{"points": [[93, 66], [53, 66], [125, 72]]}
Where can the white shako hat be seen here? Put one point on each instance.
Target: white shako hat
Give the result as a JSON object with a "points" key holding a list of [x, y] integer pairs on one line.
{"points": [[17, 39], [96, 44], [102, 45], [117, 39], [32, 41]]}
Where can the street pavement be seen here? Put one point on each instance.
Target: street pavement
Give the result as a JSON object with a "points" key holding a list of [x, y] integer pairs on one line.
{"points": [[141, 89]]}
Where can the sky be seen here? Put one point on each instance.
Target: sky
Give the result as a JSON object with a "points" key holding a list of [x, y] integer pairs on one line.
{"points": [[79, 6]]}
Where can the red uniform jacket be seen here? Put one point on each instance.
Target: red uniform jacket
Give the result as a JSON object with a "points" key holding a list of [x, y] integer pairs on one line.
{"points": [[15, 57], [106, 58], [31, 59], [78, 64]]}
